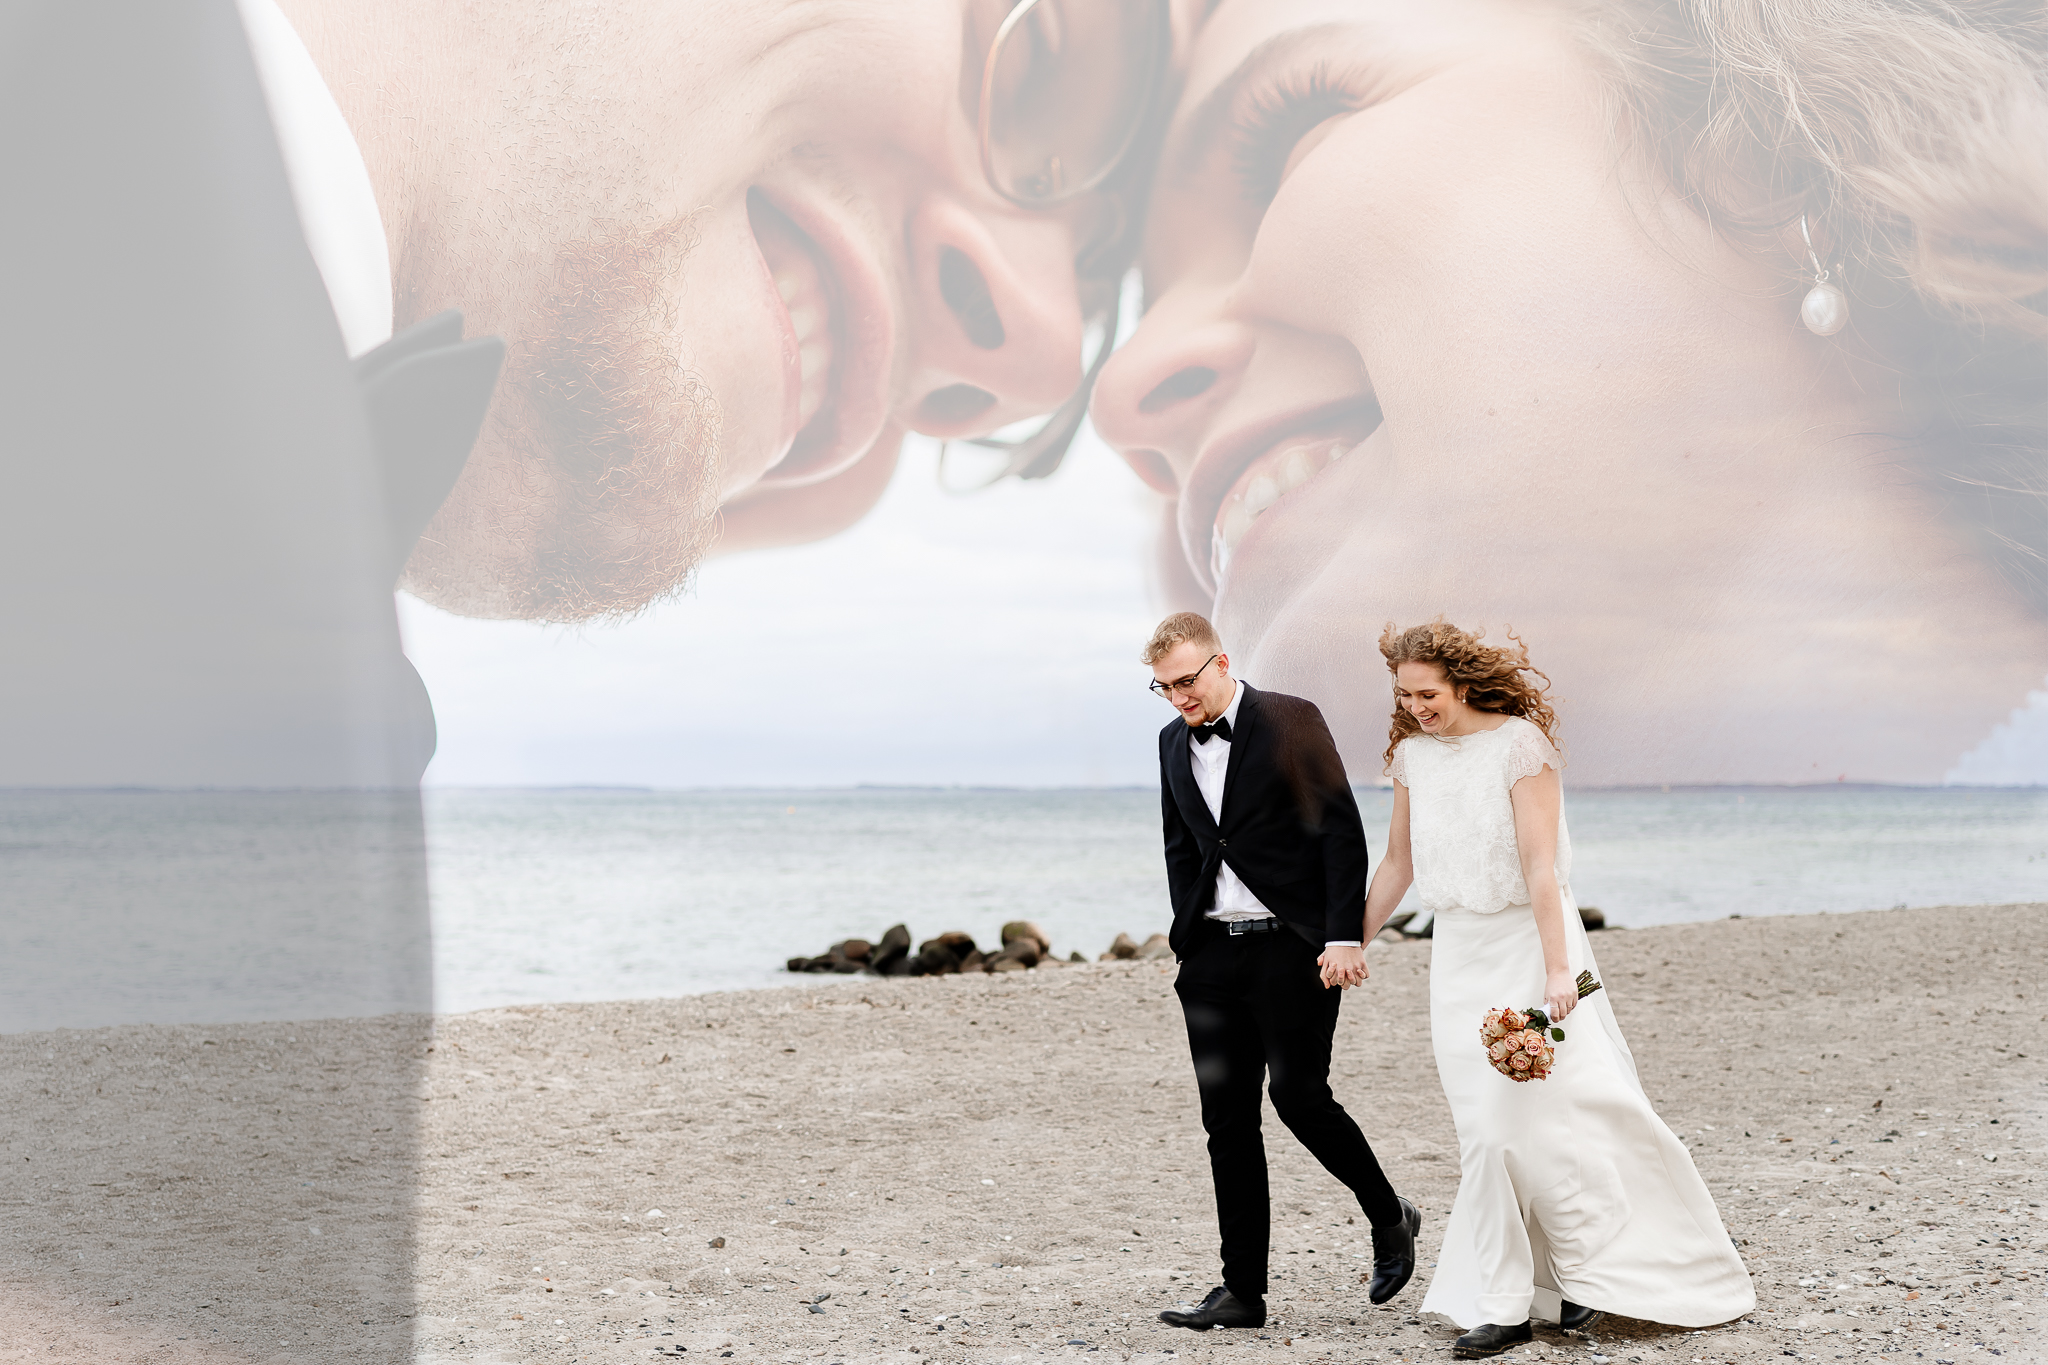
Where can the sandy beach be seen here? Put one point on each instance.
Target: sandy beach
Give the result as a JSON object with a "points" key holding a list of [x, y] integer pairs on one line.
{"points": [[996, 1168]]}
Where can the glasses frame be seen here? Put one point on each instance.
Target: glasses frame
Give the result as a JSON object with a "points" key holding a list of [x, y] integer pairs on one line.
{"points": [[1162, 13], [1036, 456], [1165, 691]]}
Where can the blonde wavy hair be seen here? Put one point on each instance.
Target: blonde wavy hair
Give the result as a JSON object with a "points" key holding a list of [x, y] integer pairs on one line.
{"points": [[1912, 135], [1495, 678]]}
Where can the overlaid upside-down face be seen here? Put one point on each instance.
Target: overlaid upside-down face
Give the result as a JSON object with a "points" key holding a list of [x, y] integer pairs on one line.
{"points": [[1426, 334]]}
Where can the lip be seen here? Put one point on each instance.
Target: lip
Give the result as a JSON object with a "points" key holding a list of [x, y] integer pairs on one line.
{"points": [[1224, 460], [856, 403]]}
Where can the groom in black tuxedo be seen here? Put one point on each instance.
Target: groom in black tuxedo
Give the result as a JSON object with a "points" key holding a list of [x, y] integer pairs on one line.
{"points": [[1266, 864]]}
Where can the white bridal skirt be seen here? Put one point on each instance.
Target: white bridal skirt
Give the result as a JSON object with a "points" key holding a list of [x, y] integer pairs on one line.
{"points": [[1570, 1187]]}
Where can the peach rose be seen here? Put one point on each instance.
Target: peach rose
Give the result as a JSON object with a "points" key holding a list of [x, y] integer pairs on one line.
{"points": [[1532, 1043], [1520, 1061]]}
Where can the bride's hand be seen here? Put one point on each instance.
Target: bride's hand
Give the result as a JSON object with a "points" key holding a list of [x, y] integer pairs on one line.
{"points": [[1342, 967], [1560, 994]]}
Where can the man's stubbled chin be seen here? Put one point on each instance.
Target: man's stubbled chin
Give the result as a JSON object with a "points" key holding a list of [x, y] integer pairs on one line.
{"points": [[594, 489]]}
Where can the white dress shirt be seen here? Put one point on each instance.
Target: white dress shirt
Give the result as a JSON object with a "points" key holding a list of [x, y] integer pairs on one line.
{"points": [[330, 182], [1234, 900]]}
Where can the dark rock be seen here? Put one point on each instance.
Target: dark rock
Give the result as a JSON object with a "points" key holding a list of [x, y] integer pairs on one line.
{"points": [[1026, 952], [894, 949], [1075, 957], [857, 949], [944, 954], [973, 962], [1122, 948], [1018, 929], [799, 964], [1591, 917], [1154, 948]]}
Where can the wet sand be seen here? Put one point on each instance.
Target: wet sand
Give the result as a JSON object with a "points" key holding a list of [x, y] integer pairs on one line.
{"points": [[997, 1168]]}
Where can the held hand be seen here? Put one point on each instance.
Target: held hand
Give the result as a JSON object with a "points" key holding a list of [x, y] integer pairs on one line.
{"points": [[1560, 994], [1343, 967]]}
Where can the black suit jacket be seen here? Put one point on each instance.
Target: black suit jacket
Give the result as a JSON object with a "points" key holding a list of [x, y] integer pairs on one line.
{"points": [[1290, 826], [203, 507], [203, 504]]}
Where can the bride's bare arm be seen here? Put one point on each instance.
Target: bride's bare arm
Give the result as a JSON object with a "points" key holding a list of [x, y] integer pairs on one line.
{"points": [[1537, 799], [1396, 870], [1346, 966]]}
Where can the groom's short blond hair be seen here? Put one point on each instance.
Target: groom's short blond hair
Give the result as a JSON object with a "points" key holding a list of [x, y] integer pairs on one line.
{"points": [[1178, 629]]}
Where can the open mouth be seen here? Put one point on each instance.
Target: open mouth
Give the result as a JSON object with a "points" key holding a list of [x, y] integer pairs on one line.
{"points": [[1250, 475], [835, 343]]}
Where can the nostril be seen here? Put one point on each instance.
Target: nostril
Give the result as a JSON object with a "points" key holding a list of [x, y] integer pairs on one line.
{"points": [[955, 403], [965, 290], [1178, 387]]}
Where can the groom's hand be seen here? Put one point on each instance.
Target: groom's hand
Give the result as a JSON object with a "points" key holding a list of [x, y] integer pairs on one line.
{"points": [[1343, 966]]}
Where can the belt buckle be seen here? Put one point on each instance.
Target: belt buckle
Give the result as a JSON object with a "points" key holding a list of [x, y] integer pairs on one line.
{"points": [[1238, 928]]}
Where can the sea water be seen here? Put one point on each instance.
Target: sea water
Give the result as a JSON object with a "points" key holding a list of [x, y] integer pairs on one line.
{"points": [[601, 895]]}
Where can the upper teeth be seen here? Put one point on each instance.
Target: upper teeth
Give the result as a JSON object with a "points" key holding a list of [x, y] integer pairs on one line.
{"points": [[803, 293], [1276, 476]]}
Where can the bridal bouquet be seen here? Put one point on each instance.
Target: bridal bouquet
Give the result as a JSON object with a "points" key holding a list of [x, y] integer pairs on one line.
{"points": [[1518, 1042]]}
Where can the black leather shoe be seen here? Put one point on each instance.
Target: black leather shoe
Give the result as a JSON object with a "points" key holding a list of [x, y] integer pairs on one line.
{"points": [[1576, 1317], [1393, 1255], [1221, 1309], [1489, 1339]]}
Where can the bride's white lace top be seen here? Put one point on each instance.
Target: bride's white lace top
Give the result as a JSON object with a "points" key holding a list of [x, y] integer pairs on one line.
{"points": [[1461, 823]]}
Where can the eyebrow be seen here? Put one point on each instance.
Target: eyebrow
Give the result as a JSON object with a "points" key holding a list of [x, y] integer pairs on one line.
{"points": [[1205, 127]]}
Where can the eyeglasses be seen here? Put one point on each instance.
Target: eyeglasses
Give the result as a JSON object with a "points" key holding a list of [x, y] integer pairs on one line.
{"points": [[1067, 86], [1068, 91], [1161, 689]]}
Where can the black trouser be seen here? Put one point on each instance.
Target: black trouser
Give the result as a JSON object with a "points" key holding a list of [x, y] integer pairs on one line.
{"points": [[1255, 1006]]}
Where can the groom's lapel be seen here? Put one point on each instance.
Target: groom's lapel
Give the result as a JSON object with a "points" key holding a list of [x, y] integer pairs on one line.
{"points": [[1180, 771], [1241, 741]]}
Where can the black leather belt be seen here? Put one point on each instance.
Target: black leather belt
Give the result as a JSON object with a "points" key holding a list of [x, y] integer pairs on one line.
{"points": [[1237, 927]]}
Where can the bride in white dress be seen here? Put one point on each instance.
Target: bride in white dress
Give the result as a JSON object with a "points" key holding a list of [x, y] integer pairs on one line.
{"points": [[1574, 1198]]}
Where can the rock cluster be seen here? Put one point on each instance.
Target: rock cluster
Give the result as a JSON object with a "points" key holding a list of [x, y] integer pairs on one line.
{"points": [[1024, 946], [1127, 948]]}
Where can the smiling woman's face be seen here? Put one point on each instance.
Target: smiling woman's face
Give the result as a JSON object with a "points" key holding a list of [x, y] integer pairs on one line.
{"points": [[1421, 340]]}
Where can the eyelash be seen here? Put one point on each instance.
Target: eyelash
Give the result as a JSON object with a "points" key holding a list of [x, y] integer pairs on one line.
{"points": [[1272, 120]]}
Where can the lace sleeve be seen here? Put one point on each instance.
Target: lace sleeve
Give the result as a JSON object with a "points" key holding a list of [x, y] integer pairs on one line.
{"points": [[1529, 753], [1397, 768]]}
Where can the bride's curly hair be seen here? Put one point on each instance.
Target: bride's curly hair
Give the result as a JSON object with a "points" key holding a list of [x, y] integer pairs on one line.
{"points": [[1496, 678]]}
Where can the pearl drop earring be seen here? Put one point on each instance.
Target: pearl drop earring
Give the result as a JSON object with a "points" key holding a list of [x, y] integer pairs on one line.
{"points": [[1825, 310]]}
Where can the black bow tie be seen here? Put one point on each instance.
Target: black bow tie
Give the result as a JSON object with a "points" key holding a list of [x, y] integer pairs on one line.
{"points": [[425, 392], [1219, 727]]}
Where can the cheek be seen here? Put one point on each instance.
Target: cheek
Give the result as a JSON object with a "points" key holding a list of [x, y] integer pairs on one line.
{"points": [[1407, 207], [889, 78], [1354, 213]]}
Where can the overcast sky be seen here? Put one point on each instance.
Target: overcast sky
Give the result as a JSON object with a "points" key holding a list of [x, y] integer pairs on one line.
{"points": [[984, 639], [990, 639]]}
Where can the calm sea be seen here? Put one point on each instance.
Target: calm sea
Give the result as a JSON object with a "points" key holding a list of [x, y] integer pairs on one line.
{"points": [[596, 895]]}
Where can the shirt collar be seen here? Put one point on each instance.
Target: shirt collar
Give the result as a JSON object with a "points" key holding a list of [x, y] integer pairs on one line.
{"points": [[1236, 699], [1229, 712], [329, 181]]}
